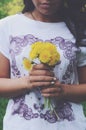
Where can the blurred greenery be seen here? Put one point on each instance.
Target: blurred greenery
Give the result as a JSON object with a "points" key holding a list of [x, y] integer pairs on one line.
{"points": [[84, 107], [3, 104], [9, 7]]}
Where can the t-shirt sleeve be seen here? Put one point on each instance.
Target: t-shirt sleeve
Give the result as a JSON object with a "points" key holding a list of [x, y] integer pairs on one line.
{"points": [[82, 57], [4, 38]]}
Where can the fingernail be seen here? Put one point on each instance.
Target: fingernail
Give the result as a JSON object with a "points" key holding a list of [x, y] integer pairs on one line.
{"points": [[54, 78], [52, 82]]}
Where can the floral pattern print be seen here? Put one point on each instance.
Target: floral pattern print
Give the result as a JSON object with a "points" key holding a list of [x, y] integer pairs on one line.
{"points": [[64, 109]]}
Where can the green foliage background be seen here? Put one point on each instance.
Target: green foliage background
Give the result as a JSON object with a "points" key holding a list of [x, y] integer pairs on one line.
{"points": [[3, 104], [9, 7]]}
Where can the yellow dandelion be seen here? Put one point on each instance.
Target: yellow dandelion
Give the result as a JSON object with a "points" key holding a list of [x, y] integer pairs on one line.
{"points": [[33, 54], [36, 49], [54, 59], [44, 56], [36, 45], [57, 57], [27, 64], [50, 47]]}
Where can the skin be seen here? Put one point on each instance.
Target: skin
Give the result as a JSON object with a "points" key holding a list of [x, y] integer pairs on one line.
{"points": [[46, 10], [47, 7], [41, 75]]}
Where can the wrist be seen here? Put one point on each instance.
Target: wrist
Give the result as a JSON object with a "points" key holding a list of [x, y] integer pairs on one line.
{"points": [[23, 84], [26, 83], [69, 92], [63, 90]]}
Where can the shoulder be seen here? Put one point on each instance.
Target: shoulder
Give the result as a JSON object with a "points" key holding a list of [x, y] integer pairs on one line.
{"points": [[9, 19]]}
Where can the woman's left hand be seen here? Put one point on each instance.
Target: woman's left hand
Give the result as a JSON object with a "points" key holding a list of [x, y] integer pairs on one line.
{"points": [[55, 90]]}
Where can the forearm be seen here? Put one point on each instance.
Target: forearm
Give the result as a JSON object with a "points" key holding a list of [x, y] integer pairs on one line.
{"points": [[75, 93], [10, 88]]}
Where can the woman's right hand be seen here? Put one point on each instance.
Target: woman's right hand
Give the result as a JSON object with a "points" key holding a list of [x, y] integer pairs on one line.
{"points": [[40, 76]]}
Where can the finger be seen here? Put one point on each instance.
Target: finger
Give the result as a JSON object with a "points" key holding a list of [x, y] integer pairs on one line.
{"points": [[50, 95], [41, 66], [41, 72], [42, 78], [52, 91], [42, 84], [49, 90]]}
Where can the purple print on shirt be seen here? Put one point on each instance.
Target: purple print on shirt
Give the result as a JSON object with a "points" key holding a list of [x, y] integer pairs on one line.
{"points": [[20, 107]]}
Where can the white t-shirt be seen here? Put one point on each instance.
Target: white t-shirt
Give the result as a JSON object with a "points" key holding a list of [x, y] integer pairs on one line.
{"points": [[17, 34]]}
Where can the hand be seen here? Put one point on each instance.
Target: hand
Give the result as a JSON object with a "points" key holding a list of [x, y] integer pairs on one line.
{"points": [[41, 76], [55, 90]]}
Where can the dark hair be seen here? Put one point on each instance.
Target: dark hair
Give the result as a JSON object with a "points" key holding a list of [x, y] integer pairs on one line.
{"points": [[28, 6], [77, 11]]}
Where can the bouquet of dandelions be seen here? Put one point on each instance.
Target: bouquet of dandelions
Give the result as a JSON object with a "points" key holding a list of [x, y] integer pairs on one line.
{"points": [[46, 53]]}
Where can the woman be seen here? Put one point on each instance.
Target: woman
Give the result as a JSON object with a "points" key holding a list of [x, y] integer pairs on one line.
{"points": [[41, 20]]}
